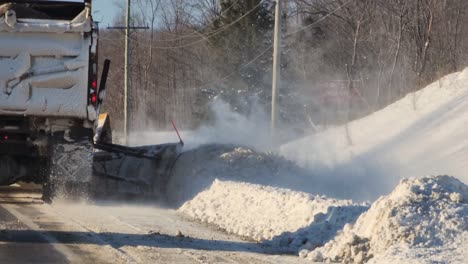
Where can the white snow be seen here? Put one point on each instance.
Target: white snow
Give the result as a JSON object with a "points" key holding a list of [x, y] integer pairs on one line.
{"points": [[196, 170], [256, 211], [429, 214], [81, 23], [264, 197], [424, 133], [227, 127], [233, 188], [422, 220]]}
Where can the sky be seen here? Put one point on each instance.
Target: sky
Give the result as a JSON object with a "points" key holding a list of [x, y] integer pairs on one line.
{"points": [[104, 11]]}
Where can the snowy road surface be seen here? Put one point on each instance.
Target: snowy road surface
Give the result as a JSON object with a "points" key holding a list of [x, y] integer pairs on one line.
{"points": [[31, 231]]}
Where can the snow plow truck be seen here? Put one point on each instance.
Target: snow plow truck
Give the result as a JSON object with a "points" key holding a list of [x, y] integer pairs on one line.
{"points": [[51, 129]]}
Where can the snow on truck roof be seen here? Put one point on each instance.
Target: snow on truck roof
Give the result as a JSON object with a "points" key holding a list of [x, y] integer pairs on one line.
{"points": [[45, 16]]}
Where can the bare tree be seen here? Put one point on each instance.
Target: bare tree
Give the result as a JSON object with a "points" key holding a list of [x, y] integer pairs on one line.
{"points": [[376, 50]]}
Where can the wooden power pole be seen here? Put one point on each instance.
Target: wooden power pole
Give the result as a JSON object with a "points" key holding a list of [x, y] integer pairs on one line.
{"points": [[127, 69], [127, 76], [276, 69]]}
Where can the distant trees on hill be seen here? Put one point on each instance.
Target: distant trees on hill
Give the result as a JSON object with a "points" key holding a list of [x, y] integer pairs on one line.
{"points": [[370, 52]]}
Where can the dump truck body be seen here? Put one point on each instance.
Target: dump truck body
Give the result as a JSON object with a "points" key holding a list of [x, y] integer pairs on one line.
{"points": [[48, 84], [48, 66], [50, 132]]}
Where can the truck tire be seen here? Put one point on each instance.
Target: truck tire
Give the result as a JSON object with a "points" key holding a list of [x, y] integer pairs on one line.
{"points": [[68, 171], [10, 170]]}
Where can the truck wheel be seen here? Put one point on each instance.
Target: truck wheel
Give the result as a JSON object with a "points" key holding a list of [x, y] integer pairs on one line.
{"points": [[69, 170], [44, 172], [48, 192]]}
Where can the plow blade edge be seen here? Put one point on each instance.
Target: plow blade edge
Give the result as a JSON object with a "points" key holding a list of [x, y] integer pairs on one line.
{"points": [[133, 172]]}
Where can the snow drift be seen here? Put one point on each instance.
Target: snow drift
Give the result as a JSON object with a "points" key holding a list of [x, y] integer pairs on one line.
{"points": [[259, 212], [237, 189], [424, 133], [197, 169], [267, 198], [426, 212]]}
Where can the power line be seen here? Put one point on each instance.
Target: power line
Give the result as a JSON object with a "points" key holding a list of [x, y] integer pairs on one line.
{"points": [[235, 71], [266, 49], [197, 33], [320, 20], [208, 36], [271, 45]]}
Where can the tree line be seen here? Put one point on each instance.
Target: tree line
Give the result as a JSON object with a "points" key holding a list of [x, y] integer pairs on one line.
{"points": [[341, 59]]}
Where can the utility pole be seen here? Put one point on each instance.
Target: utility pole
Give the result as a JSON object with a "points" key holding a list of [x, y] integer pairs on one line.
{"points": [[126, 69], [276, 69], [127, 76]]}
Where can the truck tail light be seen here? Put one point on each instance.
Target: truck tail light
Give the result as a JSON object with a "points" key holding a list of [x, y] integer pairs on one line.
{"points": [[93, 98], [93, 91]]}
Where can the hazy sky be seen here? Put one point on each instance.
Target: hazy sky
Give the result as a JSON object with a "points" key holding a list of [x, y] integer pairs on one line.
{"points": [[104, 11]]}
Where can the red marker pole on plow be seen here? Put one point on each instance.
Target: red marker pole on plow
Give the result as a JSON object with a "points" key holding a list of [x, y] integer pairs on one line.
{"points": [[177, 131]]}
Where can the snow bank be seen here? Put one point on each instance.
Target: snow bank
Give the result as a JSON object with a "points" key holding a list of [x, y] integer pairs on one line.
{"points": [[456, 252], [430, 212], [197, 169], [263, 213], [237, 189], [424, 133], [322, 229]]}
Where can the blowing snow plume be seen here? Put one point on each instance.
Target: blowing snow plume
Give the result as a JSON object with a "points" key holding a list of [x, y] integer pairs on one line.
{"points": [[232, 147], [424, 133], [230, 127], [225, 127]]}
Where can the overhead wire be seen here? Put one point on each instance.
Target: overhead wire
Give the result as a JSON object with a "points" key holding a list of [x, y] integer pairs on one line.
{"points": [[232, 72], [319, 20], [271, 45], [205, 37], [261, 53], [197, 33]]}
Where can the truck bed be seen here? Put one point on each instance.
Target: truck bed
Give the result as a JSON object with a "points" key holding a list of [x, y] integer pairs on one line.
{"points": [[44, 66]]}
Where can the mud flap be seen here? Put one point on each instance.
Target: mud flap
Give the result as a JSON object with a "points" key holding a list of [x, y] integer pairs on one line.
{"points": [[68, 171]]}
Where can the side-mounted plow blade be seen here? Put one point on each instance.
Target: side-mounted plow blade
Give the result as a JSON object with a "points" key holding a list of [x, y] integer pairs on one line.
{"points": [[122, 171], [131, 172]]}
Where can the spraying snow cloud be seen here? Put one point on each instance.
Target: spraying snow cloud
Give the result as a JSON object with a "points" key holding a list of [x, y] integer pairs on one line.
{"points": [[226, 127]]}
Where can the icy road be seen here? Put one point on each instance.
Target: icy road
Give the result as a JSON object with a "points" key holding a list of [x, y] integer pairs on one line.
{"points": [[31, 231]]}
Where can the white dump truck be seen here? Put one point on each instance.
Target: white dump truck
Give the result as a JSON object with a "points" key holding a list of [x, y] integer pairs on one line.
{"points": [[50, 100]]}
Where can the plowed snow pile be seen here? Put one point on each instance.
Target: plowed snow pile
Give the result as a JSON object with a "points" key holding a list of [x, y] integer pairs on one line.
{"points": [[430, 212], [262, 213], [422, 220], [196, 170], [236, 189]]}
